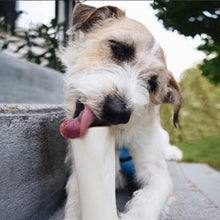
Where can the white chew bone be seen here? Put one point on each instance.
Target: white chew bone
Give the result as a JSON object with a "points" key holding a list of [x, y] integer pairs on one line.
{"points": [[94, 160]]}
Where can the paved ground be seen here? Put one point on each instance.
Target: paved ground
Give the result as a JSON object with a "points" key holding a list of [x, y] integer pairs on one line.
{"points": [[204, 178], [193, 201], [196, 190]]}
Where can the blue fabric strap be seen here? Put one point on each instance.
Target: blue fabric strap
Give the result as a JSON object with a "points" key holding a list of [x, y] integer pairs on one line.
{"points": [[126, 163]]}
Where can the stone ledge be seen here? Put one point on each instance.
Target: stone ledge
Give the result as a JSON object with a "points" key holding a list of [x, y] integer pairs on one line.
{"points": [[32, 153]]}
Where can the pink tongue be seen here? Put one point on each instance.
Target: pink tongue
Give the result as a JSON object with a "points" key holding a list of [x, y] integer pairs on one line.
{"points": [[74, 128]]}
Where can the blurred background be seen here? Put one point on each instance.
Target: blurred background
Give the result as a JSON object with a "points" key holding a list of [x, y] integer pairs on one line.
{"points": [[189, 33]]}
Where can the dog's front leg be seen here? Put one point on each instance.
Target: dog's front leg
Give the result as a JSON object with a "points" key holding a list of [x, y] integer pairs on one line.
{"points": [[154, 180], [148, 202]]}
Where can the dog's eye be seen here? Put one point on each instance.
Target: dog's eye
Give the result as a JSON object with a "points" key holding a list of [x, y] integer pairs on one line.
{"points": [[122, 51], [152, 83]]}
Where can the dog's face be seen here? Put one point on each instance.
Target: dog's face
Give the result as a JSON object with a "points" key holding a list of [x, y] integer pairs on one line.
{"points": [[115, 67]]}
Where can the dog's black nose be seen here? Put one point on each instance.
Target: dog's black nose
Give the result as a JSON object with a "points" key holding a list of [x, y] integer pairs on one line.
{"points": [[115, 111]]}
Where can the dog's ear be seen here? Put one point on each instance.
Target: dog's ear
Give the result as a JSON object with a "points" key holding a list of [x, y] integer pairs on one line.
{"points": [[85, 16], [173, 95]]}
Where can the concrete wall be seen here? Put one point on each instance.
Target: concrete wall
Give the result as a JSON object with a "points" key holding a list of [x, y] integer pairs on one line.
{"points": [[25, 82], [32, 151]]}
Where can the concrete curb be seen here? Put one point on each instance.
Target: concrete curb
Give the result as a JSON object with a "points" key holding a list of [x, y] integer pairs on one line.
{"points": [[32, 153]]}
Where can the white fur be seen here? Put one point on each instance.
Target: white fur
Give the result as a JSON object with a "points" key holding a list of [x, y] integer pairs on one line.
{"points": [[173, 153], [144, 136]]}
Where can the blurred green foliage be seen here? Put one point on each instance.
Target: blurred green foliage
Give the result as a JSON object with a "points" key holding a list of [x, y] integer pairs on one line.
{"points": [[191, 18], [199, 135], [200, 112], [38, 44], [206, 150]]}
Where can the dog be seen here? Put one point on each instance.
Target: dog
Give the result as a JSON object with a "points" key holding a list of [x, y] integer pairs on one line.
{"points": [[117, 73]]}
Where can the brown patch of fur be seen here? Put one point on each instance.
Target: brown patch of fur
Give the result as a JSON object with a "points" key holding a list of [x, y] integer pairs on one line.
{"points": [[160, 55], [173, 96], [97, 48], [84, 16], [158, 166], [81, 13]]}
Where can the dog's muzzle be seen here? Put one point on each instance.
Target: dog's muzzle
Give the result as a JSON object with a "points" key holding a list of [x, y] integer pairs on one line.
{"points": [[115, 111]]}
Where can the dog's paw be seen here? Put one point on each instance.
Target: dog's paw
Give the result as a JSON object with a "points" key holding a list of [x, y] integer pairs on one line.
{"points": [[173, 153]]}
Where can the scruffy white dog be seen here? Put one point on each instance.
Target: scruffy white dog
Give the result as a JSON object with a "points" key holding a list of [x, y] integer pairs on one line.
{"points": [[117, 76]]}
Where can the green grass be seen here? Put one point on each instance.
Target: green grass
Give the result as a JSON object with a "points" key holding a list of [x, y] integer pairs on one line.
{"points": [[199, 135], [206, 150]]}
